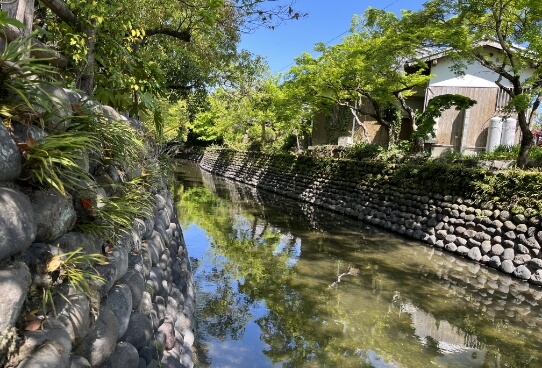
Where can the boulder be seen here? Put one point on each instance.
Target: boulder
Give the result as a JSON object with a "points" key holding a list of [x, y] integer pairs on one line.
{"points": [[10, 157], [119, 300], [14, 285], [73, 311], [139, 331], [136, 283], [74, 240], [100, 343], [54, 214], [17, 223], [47, 347], [124, 356]]}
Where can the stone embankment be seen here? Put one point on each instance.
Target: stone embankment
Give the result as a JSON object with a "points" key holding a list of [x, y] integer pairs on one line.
{"points": [[458, 224], [140, 315]]}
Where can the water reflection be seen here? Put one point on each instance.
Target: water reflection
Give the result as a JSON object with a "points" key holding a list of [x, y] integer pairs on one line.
{"points": [[270, 290]]}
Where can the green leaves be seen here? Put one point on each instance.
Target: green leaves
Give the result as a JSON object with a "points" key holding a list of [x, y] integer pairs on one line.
{"points": [[435, 107], [5, 20], [58, 159]]}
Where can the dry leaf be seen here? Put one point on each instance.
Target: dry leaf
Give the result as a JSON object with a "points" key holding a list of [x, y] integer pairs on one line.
{"points": [[54, 264]]}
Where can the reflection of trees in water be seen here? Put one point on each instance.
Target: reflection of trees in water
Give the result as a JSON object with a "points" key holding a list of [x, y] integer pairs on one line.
{"points": [[308, 324], [224, 312]]}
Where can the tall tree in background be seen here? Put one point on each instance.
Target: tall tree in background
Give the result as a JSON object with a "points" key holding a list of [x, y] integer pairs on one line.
{"points": [[461, 27], [365, 72]]}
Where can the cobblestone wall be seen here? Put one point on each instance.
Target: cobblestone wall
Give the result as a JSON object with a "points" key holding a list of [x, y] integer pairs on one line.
{"points": [[140, 316], [457, 224]]}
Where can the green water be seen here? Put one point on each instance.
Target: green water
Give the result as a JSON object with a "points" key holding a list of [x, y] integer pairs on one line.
{"points": [[268, 295]]}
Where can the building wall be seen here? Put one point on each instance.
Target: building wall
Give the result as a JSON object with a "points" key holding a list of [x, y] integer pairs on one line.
{"points": [[450, 126]]}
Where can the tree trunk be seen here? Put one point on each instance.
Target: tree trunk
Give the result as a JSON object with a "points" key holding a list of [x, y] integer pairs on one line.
{"points": [[86, 81], [526, 139], [23, 11], [390, 133], [263, 134]]}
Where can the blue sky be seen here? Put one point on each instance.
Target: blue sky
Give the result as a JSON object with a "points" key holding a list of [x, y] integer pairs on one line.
{"points": [[327, 21]]}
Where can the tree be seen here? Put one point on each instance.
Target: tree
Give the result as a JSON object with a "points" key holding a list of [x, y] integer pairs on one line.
{"points": [[132, 54], [364, 72], [512, 27], [252, 108]]}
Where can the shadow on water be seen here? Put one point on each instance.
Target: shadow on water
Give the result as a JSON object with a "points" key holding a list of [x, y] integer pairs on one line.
{"points": [[286, 284]]}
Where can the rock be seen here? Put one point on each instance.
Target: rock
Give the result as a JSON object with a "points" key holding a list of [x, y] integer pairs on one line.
{"points": [[21, 132], [451, 247], [505, 216], [535, 263], [494, 262], [463, 250], [124, 356], [17, 224], [108, 272], [520, 248], [160, 307], [486, 247], [522, 228], [77, 361], [450, 238], [158, 240], [521, 259], [135, 241], [470, 233], [149, 227], [536, 277], [14, 286], [475, 254], [509, 225], [10, 157], [160, 202], [508, 254], [155, 281], [119, 300], [522, 272], [73, 310], [54, 214], [507, 266], [136, 283], [48, 347], [145, 307], [140, 227], [74, 240], [510, 235], [171, 308], [139, 331], [119, 260], [60, 109], [473, 243], [152, 250], [113, 114], [100, 343], [187, 356]]}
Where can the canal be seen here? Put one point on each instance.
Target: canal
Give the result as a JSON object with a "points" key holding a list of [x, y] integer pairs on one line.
{"points": [[285, 284]]}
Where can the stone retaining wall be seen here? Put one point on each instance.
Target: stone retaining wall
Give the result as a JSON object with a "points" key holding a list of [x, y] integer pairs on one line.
{"points": [[458, 224], [141, 316]]}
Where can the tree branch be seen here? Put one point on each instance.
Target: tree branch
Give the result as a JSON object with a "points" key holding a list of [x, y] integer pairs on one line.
{"points": [[182, 35], [40, 50], [62, 11]]}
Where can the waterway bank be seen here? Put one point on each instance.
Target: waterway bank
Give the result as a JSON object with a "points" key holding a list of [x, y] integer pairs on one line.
{"points": [[444, 214]]}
